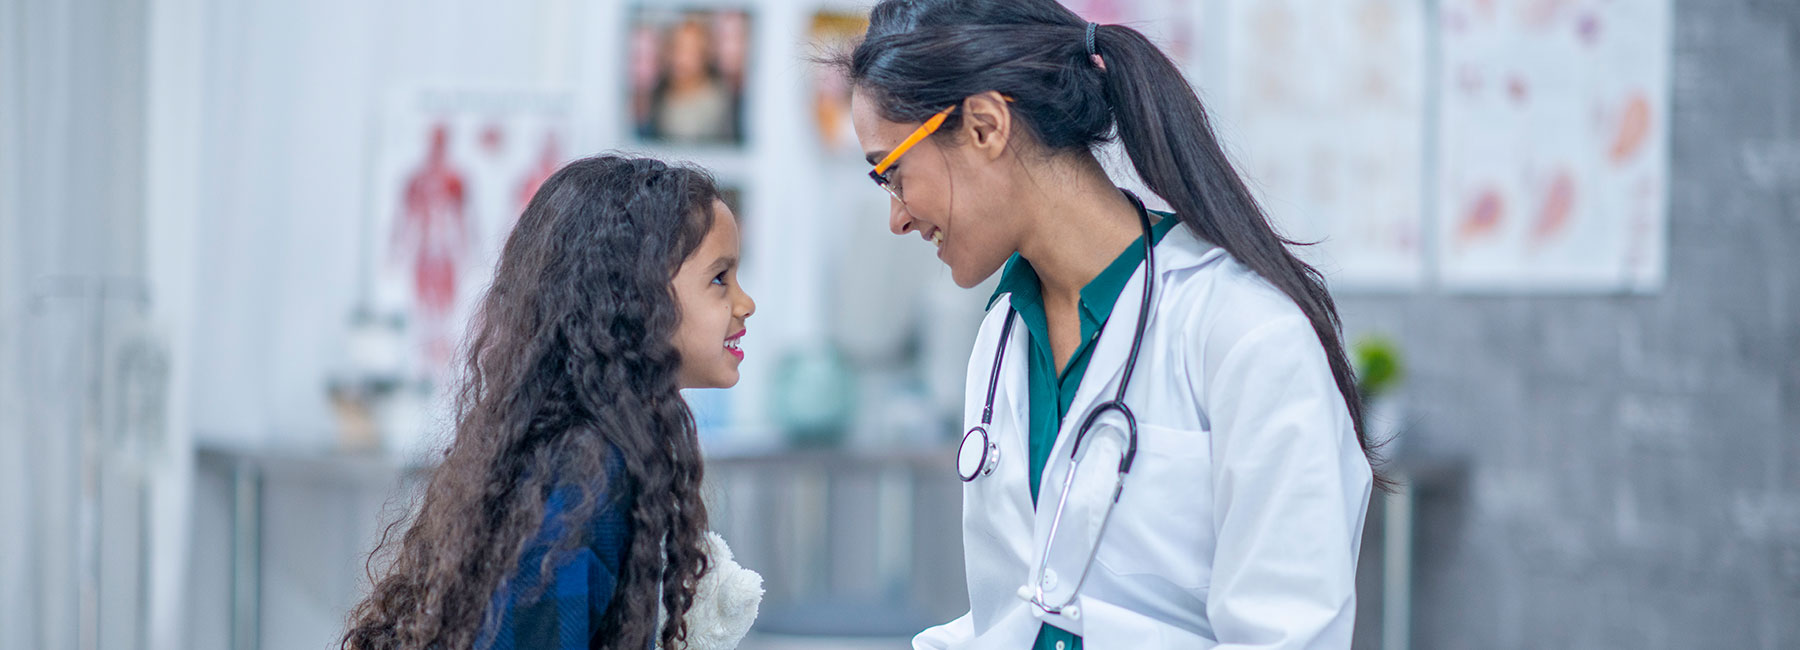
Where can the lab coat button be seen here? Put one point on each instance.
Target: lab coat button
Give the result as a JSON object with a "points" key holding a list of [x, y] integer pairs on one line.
{"points": [[1049, 580], [1061, 645]]}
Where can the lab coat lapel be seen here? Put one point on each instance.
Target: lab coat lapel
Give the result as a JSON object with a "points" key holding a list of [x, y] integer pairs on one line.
{"points": [[1081, 517], [1014, 378], [1104, 370], [1084, 514], [1012, 398], [1179, 249]]}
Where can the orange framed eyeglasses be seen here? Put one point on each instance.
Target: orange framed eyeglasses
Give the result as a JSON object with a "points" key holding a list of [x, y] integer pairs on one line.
{"points": [[879, 173]]}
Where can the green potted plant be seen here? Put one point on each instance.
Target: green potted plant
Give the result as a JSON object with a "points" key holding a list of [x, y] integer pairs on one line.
{"points": [[1379, 372]]}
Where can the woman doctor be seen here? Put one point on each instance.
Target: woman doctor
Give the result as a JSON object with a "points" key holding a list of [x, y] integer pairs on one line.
{"points": [[1164, 446]]}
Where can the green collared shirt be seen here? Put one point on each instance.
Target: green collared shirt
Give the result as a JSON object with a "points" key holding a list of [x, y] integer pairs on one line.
{"points": [[1052, 393]]}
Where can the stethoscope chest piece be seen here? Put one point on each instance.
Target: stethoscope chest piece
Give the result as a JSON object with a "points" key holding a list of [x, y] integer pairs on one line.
{"points": [[977, 456]]}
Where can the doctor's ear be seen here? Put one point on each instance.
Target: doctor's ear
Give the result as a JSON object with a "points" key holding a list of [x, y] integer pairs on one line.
{"points": [[987, 123]]}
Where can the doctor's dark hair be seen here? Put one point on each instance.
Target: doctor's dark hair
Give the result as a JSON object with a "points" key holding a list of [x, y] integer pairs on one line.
{"points": [[570, 370], [920, 56]]}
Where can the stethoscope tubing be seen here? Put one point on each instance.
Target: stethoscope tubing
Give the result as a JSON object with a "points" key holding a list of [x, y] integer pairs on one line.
{"points": [[990, 451]]}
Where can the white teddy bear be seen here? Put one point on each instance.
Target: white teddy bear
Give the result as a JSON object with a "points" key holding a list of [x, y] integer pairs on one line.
{"points": [[725, 601]]}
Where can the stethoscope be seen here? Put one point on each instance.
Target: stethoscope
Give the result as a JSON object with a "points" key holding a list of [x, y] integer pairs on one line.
{"points": [[979, 454]]}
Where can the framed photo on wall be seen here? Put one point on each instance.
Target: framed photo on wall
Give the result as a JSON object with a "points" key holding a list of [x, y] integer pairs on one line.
{"points": [[687, 69], [832, 32]]}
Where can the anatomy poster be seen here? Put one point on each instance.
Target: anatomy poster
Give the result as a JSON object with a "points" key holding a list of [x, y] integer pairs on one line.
{"points": [[453, 171], [1553, 144], [1324, 115]]}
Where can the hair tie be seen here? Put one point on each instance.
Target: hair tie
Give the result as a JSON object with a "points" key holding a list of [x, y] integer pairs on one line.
{"points": [[1090, 39]]}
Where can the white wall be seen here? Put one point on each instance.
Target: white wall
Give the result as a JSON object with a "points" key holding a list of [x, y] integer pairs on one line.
{"points": [[291, 92], [174, 67], [217, 153], [71, 294], [17, 622], [287, 98]]}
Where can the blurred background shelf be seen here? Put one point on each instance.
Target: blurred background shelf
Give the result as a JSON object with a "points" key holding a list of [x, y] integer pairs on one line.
{"points": [[851, 543]]}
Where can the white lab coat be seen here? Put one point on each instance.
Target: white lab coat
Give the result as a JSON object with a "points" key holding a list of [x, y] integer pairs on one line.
{"points": [[1241, 519]]}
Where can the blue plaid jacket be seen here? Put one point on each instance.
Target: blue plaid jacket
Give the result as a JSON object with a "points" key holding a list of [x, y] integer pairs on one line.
{"points": [[563, 611]]}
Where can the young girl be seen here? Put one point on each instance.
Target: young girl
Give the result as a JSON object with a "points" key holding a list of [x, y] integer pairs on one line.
{"points": [[567, 509], [1235, 513]]}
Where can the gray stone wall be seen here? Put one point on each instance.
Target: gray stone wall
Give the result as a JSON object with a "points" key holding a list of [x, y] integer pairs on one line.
{"points": [[1632, 474]]}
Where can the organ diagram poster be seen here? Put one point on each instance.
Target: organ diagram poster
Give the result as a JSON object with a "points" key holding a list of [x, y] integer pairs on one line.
{"points": [[452, 172], [1324, 115], [1552, 144]]}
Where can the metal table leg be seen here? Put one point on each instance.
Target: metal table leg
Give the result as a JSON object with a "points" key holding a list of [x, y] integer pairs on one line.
{"points": [[246, 555], [1396, 574]]}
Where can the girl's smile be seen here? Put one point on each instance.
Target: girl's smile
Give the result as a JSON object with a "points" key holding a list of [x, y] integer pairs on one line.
{"points": [[732, 344]]}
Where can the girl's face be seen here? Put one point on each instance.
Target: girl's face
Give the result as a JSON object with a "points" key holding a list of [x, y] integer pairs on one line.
{"points": [[971, 229], [713, 307]]}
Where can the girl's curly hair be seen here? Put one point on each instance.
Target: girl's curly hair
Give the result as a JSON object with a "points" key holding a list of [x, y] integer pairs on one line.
{"points": [[570, 362]]}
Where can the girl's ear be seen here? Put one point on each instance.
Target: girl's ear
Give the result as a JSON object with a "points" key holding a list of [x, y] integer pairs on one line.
{"points": [[987, 123]]}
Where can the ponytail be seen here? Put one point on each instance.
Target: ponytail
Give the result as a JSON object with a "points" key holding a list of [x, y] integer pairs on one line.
{"points": [[1164, 129]]}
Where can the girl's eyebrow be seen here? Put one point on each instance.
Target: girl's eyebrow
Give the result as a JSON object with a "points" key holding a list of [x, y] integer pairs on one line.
{"points": [[724, 264]]}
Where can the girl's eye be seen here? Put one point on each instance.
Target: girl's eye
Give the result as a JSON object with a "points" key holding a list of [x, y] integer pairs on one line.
{"points": [[719, 279]]}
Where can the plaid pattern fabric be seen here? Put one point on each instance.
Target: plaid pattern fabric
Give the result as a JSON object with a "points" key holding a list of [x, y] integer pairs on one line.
{"points": [[561, 611]]}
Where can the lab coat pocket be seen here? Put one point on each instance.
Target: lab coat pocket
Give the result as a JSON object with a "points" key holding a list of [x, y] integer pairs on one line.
{"points": [[1162, 524], [997, 511]]}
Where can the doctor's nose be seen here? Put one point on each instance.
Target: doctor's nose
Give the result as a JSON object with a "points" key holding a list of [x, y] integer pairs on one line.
{"points": [[900, 221]]}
